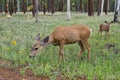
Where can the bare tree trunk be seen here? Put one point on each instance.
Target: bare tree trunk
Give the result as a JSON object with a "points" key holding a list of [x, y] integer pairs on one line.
{"points": [[52, 7], [106, 6], [48, 7], [33, 10], [99, 8], [23, 6], [81, 6], [102, 5], [44, 7], [86, 7], [18, 6], [117, 11], [6, 6], [36, 7], [68, 9], [15, 6], [10, 7], [61, 5], [27, 6], [90, 8]]}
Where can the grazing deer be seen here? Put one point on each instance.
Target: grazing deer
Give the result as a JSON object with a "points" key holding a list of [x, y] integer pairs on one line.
{"points": [[105, 27], [64, 35]]}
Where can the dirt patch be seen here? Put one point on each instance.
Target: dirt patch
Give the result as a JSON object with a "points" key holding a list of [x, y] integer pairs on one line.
{"points": [[7, 73], [13, 74]]}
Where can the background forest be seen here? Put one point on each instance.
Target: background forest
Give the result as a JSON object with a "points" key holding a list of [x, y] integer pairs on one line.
{"points": [[18, 31]]}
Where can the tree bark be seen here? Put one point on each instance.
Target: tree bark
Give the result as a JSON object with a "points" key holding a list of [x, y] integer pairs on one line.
{"points": [[48, 7], [36, 7], [6, 6], [99, 8], [90, 8], [33, 10], [23, 6], [102, 5], [10, 7], [15, 6], [61, 5], [106, 6], [117, 11], [44, 7], [68, 10], [52, 7], [18, 6], [81, 6]]}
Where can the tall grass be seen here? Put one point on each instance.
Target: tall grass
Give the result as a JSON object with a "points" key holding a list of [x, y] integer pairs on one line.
{"points": [[104, 64]]}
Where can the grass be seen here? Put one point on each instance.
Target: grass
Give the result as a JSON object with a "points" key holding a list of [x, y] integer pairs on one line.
{"points": [[104, 64]]}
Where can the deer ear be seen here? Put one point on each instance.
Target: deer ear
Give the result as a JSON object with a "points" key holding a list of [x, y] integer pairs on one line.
{"points": [[112, 22], [106, 22], [37, 37], [46, 39]]}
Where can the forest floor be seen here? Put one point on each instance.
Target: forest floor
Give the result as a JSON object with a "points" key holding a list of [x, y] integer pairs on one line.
{"points": [[13, 74], [7, 73]]}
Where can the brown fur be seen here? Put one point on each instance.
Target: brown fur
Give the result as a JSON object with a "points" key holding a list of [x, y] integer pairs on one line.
{"points": [[105, 27], [68, 35]]}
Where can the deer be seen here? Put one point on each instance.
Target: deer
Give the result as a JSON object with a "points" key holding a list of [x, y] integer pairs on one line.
{"points": [[62, 36], [105, 27]]}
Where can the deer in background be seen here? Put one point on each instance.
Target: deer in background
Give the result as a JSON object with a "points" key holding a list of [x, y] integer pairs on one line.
{"points": [[64, 35], [105, 27]]}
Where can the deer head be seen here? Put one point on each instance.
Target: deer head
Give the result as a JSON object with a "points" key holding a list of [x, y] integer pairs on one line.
{"points": [[38, 45], [109, 22]]}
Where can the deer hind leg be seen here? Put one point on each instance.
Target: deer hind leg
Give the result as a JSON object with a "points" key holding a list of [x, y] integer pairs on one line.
{"points": [[99, 31], [61, 51], [88, 48], [82, 49]]}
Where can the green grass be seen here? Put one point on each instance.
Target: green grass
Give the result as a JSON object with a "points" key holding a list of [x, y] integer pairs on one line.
{"points": [[104, 64]]}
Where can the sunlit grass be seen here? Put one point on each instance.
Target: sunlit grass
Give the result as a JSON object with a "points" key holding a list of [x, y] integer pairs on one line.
{"points": [[17, 35]]}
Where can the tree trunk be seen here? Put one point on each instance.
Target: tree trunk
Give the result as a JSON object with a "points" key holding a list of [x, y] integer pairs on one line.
{"points": [[36, 8], [99, 8], [44, 7], [61, 5], [106, 6], [18, 6], [68, 9], [10, 7], [102, 7], [23, 6], [81, 6], [15, 6], [48, 7], [90, 8], [27, 6], [33, 10], [117, 10], [52, 7], [6, 6]]}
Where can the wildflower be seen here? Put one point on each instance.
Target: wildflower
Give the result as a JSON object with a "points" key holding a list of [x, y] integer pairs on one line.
{"points": [[13, 42]]}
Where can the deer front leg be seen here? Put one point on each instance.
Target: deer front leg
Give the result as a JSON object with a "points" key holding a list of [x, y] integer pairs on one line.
{"points": [[61, 52], [107, 34]]}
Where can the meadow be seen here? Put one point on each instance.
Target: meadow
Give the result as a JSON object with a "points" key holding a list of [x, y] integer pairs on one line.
{"points": [[17, 35]]}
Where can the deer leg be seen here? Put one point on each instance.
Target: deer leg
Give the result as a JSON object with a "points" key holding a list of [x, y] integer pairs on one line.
{"points": [[88, 48], [98, 31], [107, 33], [61, 52], [82, 49]]}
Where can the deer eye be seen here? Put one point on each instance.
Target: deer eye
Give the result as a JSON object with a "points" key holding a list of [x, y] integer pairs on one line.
{"points": [[36, 48]]}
